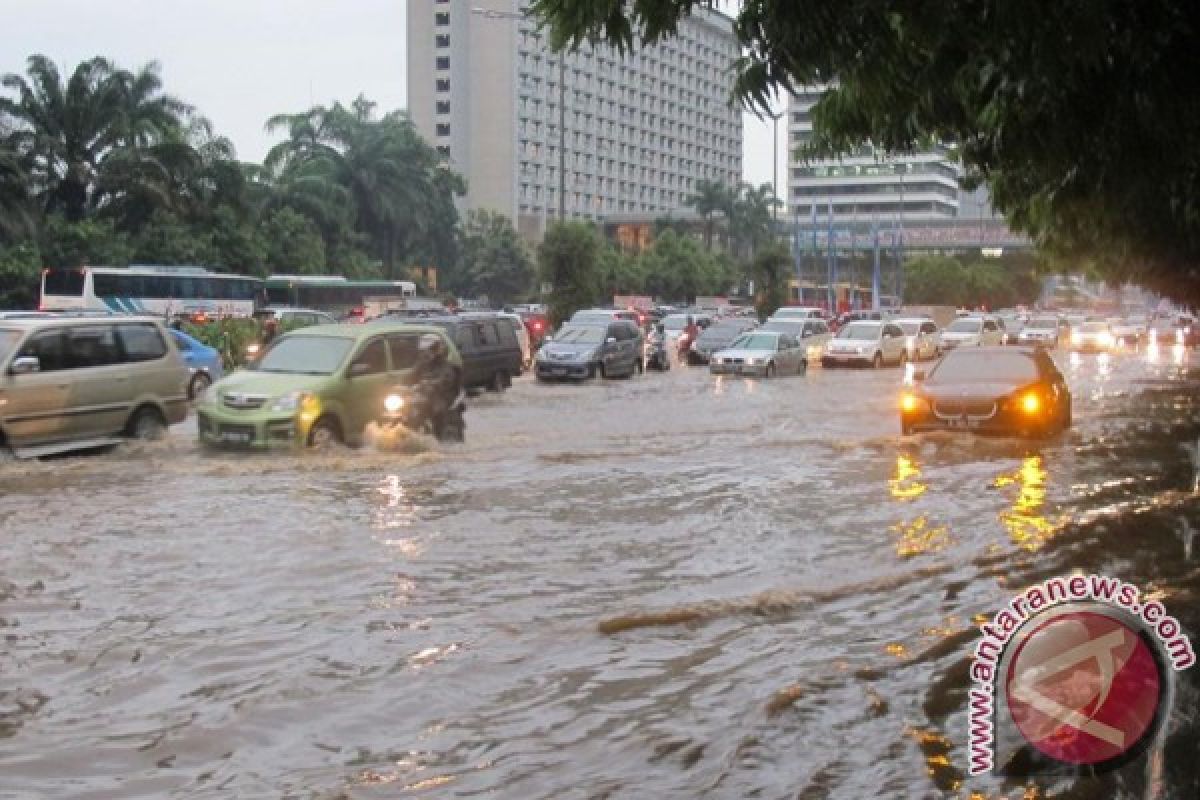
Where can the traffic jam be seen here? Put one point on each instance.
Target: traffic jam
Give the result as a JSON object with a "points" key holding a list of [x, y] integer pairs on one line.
{"points": [[316, 378]]}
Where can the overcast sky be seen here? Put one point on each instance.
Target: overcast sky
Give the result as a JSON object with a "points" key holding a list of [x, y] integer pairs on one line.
{"points": [[240, 61]]}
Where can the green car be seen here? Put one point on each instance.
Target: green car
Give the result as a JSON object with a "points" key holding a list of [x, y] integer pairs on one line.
{"points": [[313, 386]]}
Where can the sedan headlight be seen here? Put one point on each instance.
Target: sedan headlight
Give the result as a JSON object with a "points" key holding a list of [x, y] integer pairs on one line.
{"points": [[291, 401], [1076, 338], [911, 403], [753, 361]]}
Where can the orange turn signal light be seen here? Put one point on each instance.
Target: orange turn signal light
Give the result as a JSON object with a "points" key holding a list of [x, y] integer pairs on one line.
{"points": [[1031, 403], [908, 402]]}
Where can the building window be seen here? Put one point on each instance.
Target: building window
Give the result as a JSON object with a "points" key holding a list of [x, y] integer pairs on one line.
{"points": [[444, 151], [443, 62], [443, 85], [443, 107], [442, 40], [442, 18], [443, 130]]}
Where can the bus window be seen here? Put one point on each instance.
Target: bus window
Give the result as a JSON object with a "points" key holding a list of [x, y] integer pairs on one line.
{"points": [[64, 282]]}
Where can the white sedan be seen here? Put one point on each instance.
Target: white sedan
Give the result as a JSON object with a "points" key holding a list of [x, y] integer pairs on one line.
{"points": [[761, 354], [866, 342]]}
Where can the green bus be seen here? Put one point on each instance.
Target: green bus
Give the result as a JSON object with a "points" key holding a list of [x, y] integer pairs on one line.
{"points": [[338, 295]]}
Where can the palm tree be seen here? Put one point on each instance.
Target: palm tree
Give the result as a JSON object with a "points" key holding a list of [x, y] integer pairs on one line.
{"points": [[15, 217], [389, 178], [753, 217], [709, 198], [65, 133]]}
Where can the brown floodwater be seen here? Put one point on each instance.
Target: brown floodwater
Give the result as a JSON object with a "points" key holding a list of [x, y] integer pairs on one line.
{"points": [[671, 586]]}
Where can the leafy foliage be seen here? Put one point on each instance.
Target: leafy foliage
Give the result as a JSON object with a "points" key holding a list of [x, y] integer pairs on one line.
{"points": [[990, 283], [1073, 112], [102, 166], [771, 269], [495, 262], [568, 260]]}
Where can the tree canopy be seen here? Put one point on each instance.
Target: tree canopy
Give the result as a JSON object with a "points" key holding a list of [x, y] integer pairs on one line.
{"points": [[1080, 115], [103, 166]]}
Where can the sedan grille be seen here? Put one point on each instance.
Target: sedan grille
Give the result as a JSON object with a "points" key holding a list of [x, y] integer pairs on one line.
{"points": [[958, 408]]}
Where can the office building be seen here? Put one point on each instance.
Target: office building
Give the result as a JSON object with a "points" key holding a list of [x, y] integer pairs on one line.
{"points": [[634, 132], [866, 185]]}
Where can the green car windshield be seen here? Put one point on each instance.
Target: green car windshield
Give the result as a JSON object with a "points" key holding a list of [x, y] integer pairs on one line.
{"points": [[306, 355]]}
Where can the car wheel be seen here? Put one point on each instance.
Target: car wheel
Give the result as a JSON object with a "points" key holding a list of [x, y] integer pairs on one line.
{"points": [[146, 425], [324, 434], [877, 362], [601, 372], [770, 373], [200, 382], [803, 367]]}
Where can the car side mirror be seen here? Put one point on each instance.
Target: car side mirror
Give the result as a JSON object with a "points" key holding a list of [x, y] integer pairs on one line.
{"points": [[23, 365], [359, 368], [918, 375]]}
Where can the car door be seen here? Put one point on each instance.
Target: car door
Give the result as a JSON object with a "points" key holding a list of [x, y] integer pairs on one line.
{"points": [[893, 343], [367, 383], [474, 370], [35, 411], [787, 354], [102, 387]]}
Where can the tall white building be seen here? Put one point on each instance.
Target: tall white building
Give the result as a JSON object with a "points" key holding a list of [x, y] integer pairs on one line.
{"points": [[866, 184], [634, 133]]}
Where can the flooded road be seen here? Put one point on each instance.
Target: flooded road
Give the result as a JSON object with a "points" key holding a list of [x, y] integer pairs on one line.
{"points": [[666, 587]]}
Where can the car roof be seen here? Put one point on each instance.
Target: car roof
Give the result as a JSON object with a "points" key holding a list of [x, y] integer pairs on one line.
{"points": [[53, 320], [289, 310], [354, 331], [918, 320]]}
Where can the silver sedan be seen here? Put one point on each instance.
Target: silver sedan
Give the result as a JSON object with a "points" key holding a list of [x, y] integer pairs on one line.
{"points": [[761, 354]]}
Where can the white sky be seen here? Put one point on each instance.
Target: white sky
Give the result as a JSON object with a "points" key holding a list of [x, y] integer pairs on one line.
{"points": [[240, 61]]}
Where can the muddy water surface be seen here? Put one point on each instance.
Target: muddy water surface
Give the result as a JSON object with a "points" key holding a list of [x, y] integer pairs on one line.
{"points": [[672, 586]]}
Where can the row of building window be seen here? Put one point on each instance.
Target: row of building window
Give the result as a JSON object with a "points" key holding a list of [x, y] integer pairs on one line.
{"points": [[867, 210], [876, 169], [922, 187]]}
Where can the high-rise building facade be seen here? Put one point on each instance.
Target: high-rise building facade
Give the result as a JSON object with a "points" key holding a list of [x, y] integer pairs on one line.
{"points": [[595, 132], [866, 184]]}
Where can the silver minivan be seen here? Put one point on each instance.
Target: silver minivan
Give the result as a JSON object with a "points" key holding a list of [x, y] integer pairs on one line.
{"points": [[69, 383]]}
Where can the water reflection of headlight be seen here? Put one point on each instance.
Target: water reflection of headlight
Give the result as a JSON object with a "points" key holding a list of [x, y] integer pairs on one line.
{"points": [[393, 403]]}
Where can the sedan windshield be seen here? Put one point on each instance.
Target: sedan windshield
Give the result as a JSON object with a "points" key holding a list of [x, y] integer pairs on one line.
{"points": [[306, 355], [1043, 324], [867, 331], [755, 341], [969, 367], [580, 336], [8, 340], [593, 317], [965, 325]]}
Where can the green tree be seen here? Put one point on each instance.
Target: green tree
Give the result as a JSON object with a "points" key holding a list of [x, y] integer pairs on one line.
{"points": [[771, 268], [167, 239], [79, 139], [752, 219], [380, 170], [622, 273], [16, 213], [568, 260], [73, 244], [20, 270], [1073, 112], [495, 260], [293, 244], [709, 198]]}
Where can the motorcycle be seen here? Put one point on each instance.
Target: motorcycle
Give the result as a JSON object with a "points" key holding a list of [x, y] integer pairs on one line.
{"points": [[684, 346], [408, 407], [656, 355]]}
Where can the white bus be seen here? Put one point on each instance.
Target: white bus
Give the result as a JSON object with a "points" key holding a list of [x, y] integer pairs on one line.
{"points": [[160, 291]]}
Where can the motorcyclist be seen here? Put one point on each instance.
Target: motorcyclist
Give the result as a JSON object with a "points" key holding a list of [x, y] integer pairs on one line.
{"points": [[437, 381], [690, 331]]}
